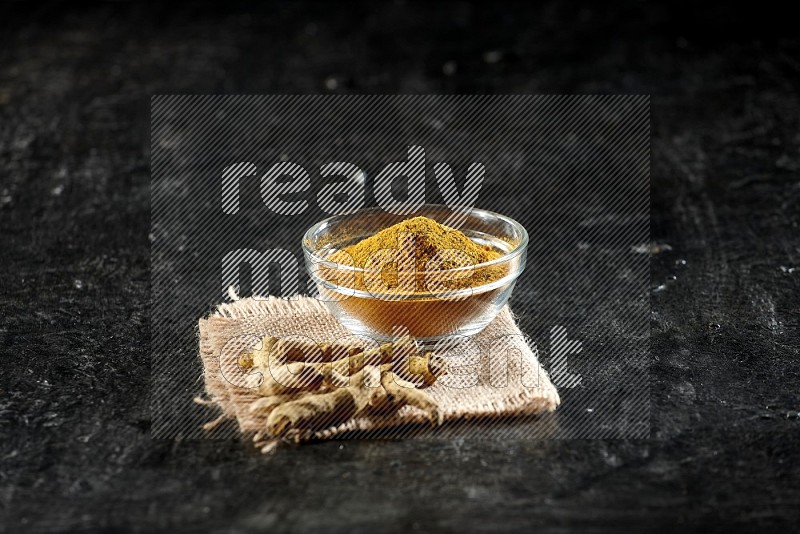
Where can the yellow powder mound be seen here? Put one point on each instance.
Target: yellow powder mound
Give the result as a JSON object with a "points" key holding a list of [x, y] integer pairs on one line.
{"points": [[425, 240]]}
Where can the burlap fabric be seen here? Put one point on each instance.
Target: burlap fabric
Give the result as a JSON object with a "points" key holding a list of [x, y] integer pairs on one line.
{"points": [[497, 375]]}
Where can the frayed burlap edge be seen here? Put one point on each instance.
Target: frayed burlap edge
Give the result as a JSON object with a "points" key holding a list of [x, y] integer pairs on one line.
{"points": [[256, 314]]}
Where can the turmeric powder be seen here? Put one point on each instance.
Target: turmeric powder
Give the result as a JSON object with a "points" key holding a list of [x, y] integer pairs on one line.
{"points": [[413, 256], [431, 279], [430, 238]]}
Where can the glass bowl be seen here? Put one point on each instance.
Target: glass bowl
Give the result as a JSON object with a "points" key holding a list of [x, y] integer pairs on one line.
{"points": [[441, 303]]}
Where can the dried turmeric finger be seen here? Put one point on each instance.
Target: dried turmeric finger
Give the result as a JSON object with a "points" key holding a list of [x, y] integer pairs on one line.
{"points": [[401, 356], [288, 378], [325, 409], [400, 392], [260, 357], [246, 361], [280, 377], [422, 370], [275, 350], [300, 350], [385, 353]]}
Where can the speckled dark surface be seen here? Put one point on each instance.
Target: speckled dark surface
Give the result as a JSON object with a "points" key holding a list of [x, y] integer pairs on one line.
{"points": [[76, 454]]}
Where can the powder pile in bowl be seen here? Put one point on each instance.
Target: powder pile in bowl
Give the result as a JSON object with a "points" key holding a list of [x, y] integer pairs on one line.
{"points": [[418, 276], [418, 251]]}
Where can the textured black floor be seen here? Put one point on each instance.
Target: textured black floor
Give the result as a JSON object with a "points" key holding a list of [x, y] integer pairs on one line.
{"points": [[75, 450]]}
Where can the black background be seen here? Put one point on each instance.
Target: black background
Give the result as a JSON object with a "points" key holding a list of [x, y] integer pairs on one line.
{"points": [[75, 87]]}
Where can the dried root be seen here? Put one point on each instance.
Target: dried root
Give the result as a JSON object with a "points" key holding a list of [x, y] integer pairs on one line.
{"points": [[302, 351], [402, 355], [340, 383], [289, 378], [400, 393], [316, 411], [299, 418], [420, 370], [326, 409], [281, 376]]}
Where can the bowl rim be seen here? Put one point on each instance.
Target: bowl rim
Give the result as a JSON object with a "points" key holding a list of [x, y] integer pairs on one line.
{"points": [[510, 255]]}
